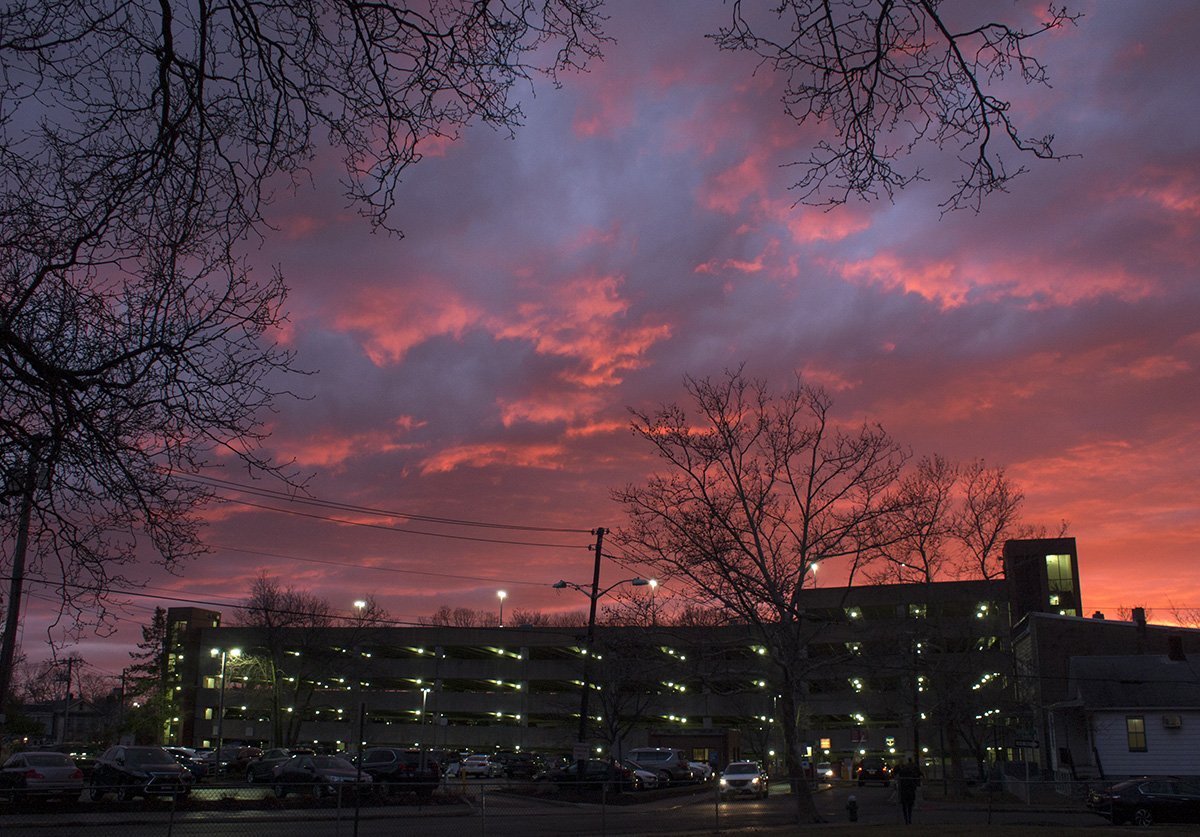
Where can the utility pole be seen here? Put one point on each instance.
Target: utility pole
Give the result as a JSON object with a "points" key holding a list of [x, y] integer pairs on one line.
{"points": [[67, 702], [8, 643], [599, 532]]}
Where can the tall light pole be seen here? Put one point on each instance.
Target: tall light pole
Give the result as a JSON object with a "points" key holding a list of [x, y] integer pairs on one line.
{"points": [[594, 596], [232, 652], [502, 594]]}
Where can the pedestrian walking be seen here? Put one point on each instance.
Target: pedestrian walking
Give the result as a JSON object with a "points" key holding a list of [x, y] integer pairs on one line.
{"points": [[908, 778]]}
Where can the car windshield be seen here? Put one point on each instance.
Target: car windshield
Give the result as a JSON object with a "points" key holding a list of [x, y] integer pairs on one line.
{"points": [[332, 763], [145, 757], [742, 767], [48, 760]]}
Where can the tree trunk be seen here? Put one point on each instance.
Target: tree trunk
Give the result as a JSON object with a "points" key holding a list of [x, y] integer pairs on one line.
{"points": [[806, 809]]}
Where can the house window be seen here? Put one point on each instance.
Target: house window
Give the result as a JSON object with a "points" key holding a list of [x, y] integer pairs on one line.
{"points": [[1135, 728]]}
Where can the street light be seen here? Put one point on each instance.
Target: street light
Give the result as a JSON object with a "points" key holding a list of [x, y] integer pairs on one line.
{"points": [[594, 595], [501, 594], [232, 652]]}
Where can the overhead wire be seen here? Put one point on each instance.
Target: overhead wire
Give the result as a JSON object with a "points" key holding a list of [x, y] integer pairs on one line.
{"points": [[280, 496]]}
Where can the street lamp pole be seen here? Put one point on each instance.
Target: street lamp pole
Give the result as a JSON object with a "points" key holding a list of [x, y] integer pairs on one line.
{"points": [[599, 532], [233, 652], [594, 596], [502, 594]]}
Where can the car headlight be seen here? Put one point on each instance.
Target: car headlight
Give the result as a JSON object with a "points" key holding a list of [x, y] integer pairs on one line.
{"points": [[722, 780], [754, 781]]}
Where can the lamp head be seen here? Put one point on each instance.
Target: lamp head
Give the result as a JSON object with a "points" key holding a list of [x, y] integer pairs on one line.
{"points": [[560, 585]]}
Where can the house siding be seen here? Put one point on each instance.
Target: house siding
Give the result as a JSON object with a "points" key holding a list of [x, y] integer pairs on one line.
{"points": [[1173, 752]]}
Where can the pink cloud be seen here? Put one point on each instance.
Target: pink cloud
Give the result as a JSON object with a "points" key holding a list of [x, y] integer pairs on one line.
{"points": [[334, 448], [583, 320], [725, 192], [394, 320], [545, 455]]}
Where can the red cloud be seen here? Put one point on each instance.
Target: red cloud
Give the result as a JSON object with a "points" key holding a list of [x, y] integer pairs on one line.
{"points": [[333, 448], [394, 320], [583, 320], [546, 455]]}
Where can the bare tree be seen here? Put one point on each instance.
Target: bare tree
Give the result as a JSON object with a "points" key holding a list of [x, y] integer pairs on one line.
{"points": [[988, 516], [139, 140], [924, 521], [1185, 615], [296, 653], [758, 488], [887, 75], [951, 522]]}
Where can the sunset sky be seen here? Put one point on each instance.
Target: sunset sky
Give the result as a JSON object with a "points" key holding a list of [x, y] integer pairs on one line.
{"points": [[638, 228]]}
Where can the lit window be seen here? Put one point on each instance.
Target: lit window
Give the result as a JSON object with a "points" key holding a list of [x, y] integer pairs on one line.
{"points": [[1135, 727]]}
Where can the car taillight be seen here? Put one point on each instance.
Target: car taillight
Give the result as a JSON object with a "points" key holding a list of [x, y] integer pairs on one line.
{"points": [[78, 774], [33, 774]]}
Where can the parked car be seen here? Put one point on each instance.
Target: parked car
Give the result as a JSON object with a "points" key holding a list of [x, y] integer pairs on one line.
{"points": [[478, 765], [260, 768], [644, 779], [743, 778], [701, 772], [873, 769], [138, 771], [596, 773], [39, 775], [318, 775], [190, 760], [520, 765], [669, 765], [399, 770], [1147, 801]]}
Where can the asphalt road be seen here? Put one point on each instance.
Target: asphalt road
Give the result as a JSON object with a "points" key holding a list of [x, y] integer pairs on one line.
{"points": [[494, 814]]}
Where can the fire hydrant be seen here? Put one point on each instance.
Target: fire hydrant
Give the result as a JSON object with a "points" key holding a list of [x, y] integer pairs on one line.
{"points": [[852, 808]]}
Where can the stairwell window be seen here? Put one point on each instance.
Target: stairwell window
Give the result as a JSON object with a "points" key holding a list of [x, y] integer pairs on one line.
{"points": [[1135, 729]]}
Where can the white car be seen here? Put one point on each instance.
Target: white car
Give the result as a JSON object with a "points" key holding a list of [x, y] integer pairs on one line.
{"points": [[476, 765], [646, 779], [701, 771], [744, 778]]}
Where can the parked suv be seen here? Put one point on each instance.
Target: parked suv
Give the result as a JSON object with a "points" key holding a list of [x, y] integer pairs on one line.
{"points": [[669, 765], [261, 768], [138, 771], [873, 769], [399, 770]]}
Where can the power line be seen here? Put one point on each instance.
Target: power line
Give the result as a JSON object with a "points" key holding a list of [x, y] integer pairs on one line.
{"points": [[273, 494], [457, 577], [386, 528]]}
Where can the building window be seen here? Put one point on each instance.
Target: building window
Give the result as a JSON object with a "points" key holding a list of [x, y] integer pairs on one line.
{"points": [[1135, 728], [1061, 581]]}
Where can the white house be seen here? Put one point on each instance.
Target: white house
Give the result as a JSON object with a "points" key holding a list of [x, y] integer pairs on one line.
{"points": [[1128, 716]]}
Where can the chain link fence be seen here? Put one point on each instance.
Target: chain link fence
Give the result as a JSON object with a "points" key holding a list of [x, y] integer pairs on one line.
{"points": [[503, 808]]}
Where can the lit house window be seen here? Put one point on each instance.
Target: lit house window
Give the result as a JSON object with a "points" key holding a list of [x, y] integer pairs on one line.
{"points": [[1135, 728]]}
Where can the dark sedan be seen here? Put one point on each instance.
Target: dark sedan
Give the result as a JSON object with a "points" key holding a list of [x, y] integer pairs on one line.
{"points": [[318, 775], [597, 773], [27, 776], [261, 768], [1147, 801]]}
